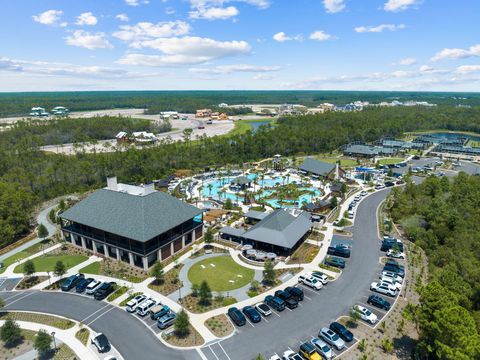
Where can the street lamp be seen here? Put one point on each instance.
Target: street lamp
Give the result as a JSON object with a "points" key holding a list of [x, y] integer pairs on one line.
{"points": [[54, 343]]}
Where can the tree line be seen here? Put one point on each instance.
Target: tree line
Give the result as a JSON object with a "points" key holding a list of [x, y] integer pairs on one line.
{"points": [[29, 176], [443, 218]]}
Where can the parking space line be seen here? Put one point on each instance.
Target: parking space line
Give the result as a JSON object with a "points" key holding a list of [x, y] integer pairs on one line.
{"points": [[274, 312], [20, 298], [221, 347], [306, 297], [249, 322], [103, 307], [99, 316], [288, 308], [264, 318], [201, 354], [213, 352]]}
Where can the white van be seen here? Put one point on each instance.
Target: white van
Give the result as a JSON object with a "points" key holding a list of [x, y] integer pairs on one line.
{"points": [[143, 307], [133, 303], [351, 214], [92, 287]]}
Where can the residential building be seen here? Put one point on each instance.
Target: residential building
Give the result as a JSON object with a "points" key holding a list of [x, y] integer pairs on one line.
{"points": [[134, 224], [169, 115], [201, 113], [121, 137], [367, 151]]}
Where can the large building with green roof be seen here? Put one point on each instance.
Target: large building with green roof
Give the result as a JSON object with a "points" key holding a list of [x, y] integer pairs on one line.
{"points": [[135, 224]]}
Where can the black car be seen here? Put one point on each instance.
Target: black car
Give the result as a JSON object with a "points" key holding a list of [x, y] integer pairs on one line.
{"points": [[101, 343], [341, 331], [389, 244], [400, 272], [335, 262], [71, 282], [338, 250], [252, 314], [378, 301], [296, 293], [104, 290], [82, 285], [290, 302], [275, 302], [237, 317], [389, 183]]}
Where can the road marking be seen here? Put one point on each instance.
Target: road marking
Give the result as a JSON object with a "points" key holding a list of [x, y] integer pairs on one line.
{"points": [[20, 298], [201, 354], [275, 313], [14, 295], [286, 307], [99, 316], [224, 351], [213, 352], [306, 297], [83, 321], [249, 322]]}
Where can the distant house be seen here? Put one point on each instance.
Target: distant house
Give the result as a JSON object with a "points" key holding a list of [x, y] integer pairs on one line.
{"points": [[242, 182], [201, 113], [322, 169], [368, 151], [169, 115], [281, 232], [143, 137], [317, 207], [253, 216], [121, 137]]}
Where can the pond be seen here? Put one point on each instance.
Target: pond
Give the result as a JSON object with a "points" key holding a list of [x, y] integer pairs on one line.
{"points": [[256, 124]]}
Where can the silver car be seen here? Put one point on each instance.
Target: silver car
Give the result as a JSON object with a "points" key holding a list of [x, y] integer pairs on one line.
{"points": [[323, 349], [331, 338]]}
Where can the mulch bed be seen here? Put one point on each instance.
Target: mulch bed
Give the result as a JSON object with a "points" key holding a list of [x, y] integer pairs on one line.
{"points": [[171, 282], [219, 325], [192, 339]]}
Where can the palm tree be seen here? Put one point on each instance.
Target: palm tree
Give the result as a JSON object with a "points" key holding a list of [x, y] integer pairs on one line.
{"points": [[210, 187], [200, 191]]}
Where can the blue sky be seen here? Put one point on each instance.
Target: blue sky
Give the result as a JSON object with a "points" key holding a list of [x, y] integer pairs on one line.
{"points": [[240, 44]]}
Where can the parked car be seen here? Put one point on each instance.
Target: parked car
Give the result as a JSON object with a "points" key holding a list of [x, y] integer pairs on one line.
{"points": [[392, 275], [92, 287], [237, 317], [310, 281], [101, 342], [133, 303], [295, 292], [335, 262], [165, 321], [394, 269], [291, 355], [320, 277], [143, 308], [82, 284], [339, 251], [71, 282], [322, 347], [275, 302], [365, 314], [395, 254], [158, 311], [104, 290], [275, 357], [331, 338], [391, 281], [290, 302], [263, 309], [389, 183], [342, 331], [383, 288], [252, 314], [309, 351], [363, 193], [379, 302]]}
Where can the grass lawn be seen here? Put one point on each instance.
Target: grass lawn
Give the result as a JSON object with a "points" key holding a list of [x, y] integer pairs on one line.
{"points": [[346, 162], [25, 253], [242, 126], [114, 269], [390, 161], [93, 268], [225, 269], [47, 262]]}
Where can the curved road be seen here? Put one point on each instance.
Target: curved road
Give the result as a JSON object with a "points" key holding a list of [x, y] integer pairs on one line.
{"points": [[132, 339]]}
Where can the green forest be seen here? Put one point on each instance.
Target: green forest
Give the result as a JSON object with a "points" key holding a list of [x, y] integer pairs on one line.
{"points": [[443, 218], [71, 130], [29, 176], [19, 104]]}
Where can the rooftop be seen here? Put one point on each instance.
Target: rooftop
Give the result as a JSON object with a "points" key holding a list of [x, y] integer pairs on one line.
{"points": [[317, 167]]}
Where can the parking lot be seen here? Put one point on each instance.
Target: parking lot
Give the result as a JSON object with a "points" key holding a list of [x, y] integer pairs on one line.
{"points": [[8, 284]]}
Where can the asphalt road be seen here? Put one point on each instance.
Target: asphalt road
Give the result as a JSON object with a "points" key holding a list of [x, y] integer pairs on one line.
{"points": [[291, 328]]}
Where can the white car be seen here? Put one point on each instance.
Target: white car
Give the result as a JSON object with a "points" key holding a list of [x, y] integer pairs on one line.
{"points": [[365, 314], [320, 277], [395, 254], [363, 193], [133, 303], [323, 349], [391, 281], [144, 306], [291, 355], [384, 288], [263, 309], [392, 275], [275, 357], [310, 281], [92, 287]]}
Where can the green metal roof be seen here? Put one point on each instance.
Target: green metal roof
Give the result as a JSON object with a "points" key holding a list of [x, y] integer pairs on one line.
{"points": [[135, 217], [317, 167]]}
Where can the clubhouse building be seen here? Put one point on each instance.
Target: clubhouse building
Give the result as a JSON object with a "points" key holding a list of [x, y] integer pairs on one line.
{"points": [[322, 169], [134, 224]]}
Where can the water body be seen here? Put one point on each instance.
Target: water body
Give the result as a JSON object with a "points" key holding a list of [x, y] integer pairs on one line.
{"points": [[256, 124]]}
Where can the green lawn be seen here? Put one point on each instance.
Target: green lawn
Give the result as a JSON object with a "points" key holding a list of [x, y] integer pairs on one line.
{"points": [[389, 161], [219, 276], [242, 126], [343, 162], [47, 262], [93, 268], [24, 253]]}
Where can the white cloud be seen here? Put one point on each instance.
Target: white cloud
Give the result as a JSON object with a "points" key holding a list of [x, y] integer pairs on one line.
{"points": [[170, 10], [379, 28], [282, 37], [407, 61], [214, 13], [425, 68], [399, 5], [86, 19], [146, 30], [122, 17], [185, 51], [320, 35], [467, 69], [447, 53], [132, 2], [228, 69], [88, 40], [263, 77], [49, 17], [261, 4], [334, 6]]}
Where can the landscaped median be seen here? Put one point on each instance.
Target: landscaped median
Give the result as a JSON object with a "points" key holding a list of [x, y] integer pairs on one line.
{"points": [[220, 325], [115, 269], [38, 318]]}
